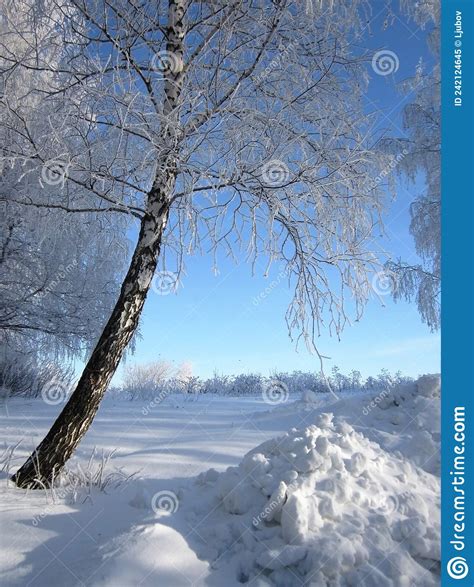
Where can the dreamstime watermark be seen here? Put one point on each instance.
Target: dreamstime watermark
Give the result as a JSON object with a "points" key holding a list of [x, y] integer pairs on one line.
{"points": [[63, 272], [166, 62], [385, 62], [275, 392], [268, 511], [457, 567], [385, 283], [54, 172], [274, 283], [58, 493], [165, 502], [374, 183], [275, 63], [375, 402], [156, 401], [275, 173], [385, 504], [165, 282], [55, 392]]}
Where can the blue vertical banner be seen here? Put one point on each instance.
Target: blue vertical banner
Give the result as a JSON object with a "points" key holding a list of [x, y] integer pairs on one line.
{"points": [[457, 61]]}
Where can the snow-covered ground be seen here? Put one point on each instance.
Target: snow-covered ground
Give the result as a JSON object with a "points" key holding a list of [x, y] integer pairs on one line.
{"points": [[234, 490]]}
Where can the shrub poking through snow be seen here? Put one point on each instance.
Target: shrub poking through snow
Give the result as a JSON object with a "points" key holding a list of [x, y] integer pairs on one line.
{"points": [[79, 483], [324, 506]]}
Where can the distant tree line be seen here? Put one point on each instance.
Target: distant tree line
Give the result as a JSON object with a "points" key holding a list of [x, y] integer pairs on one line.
{"points": [[146, 381], [160, 379]]}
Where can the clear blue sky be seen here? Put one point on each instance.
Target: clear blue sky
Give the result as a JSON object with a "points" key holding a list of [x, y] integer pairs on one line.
{"points": [[213, 323]]}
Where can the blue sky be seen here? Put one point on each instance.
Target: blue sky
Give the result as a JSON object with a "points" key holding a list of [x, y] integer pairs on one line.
{"points": [[213, 323]]}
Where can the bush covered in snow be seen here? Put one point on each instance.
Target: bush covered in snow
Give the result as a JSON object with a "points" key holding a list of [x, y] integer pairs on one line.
{"points": [[156, 379], [27, 376]]}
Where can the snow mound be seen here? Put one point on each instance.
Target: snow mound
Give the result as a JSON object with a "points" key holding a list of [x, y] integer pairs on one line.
{"points": [[407, 419], [403, 419], [321, 506]]}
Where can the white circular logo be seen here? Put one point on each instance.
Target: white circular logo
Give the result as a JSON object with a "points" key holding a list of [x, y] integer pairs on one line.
{"points": [[385, 504], [164, 283], [385, 62], [385, 283], [165, 502], [54, 392], [54, 172], [166, 62], [457, 567], [275, 392], [275, 173]]}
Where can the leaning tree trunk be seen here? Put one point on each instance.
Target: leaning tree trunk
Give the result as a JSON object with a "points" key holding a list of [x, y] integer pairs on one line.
{"points": [[73, 422]]}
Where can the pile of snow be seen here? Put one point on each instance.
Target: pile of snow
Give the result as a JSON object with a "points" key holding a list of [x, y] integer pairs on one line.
{"points": [[404, 419], [324, 506]]}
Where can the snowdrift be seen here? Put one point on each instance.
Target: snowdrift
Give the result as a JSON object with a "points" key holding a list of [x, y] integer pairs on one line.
{"points": [[327, 506]]}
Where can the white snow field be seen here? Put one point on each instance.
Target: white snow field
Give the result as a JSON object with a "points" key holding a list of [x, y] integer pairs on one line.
{"points": [[231, 491]]}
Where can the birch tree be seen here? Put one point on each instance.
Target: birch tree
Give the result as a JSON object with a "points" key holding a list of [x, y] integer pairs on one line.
{"points": [[225, 126]]}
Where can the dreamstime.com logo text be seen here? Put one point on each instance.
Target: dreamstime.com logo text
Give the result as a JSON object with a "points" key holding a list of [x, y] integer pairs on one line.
{"points": [[457, 567]]}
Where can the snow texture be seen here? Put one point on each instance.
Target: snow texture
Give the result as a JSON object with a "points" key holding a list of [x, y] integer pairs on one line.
{"points": [[349, 496], [326, 506]]}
